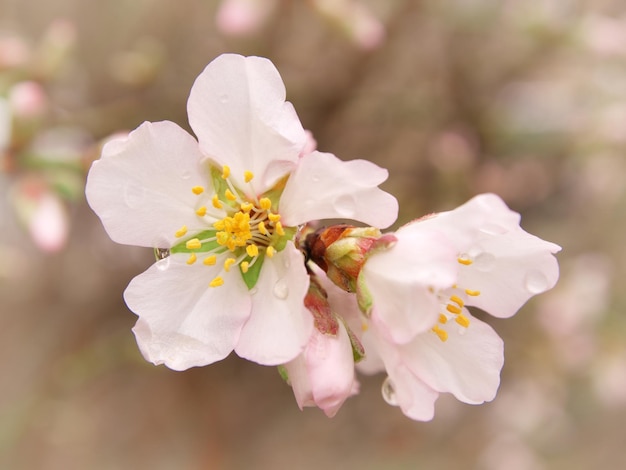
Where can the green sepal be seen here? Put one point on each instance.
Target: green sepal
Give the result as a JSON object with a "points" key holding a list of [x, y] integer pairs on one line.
{"points": [[206, 246], [252, 276], [280, 242], [282, 370], [363, 296]]}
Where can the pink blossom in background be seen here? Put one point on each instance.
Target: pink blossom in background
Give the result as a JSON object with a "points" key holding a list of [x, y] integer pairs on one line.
{"points": [[243, 17]]}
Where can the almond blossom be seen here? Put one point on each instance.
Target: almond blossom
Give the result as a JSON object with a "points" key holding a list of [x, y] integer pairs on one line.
{"points": [[222, 213]]}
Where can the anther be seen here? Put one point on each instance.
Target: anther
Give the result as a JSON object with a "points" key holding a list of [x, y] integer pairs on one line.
{"points": [[443, 335], [472, 293], [270, 251], [225, 171], [453, 309], [279, 228], [443, 319], [230, 196], [193, 244], [210, 260], [262, 228], [201, 211], [457, 300], [218, 281], [465, 261], [181, 232], [273, 217], [192, 258], [265, 203], [228, 263], [247, 207], [462, 320], [252, 250], [244, 266], [247, 176], [197, 190], [216, 202]]}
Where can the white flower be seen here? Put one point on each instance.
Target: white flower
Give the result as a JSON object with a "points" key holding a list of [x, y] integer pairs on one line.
{"points": [[227, 207]]}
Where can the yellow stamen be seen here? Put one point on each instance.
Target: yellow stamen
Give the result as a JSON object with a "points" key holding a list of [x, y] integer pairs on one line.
{"points": [[181, 232], [225, 171], [228, 263], [230, 196], [270, 251], [472, 293], [201, 211], [192, 258], [273, 217], [216, 202], [443, 335], [252, 250], [462, 320], [222, 238], [193, 244], [465, 261], [218, 281], [443, 319], [457, 300], [247, 206], [244, 266], [210, 260], [247, 176], [453, 309], [265, 203], [279, 228], [262, 228], [197, 190]]}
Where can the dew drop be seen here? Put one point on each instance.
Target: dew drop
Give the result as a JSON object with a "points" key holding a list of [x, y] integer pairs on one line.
{"points": [[286, 262], [345, 205], [389, 393], [133, 195], [315, 177], [224, 98], [535, 282], [494, 229], [484, 261], [185, 175], [254, 290], [163, 264], [281, 289]]}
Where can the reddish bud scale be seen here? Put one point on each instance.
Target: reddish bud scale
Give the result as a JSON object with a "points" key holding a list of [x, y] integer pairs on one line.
{"points": [[316, 301]]}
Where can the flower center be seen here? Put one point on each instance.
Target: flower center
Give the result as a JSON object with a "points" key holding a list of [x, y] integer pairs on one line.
{"points": [[452, 303], [244, 230]]}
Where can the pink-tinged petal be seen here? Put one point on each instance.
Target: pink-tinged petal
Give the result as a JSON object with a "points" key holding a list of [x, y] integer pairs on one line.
{"points": [[324, 187], [141, 186], [403, 282], [182, 321], [467, 364], [279, 326], [330, 365], [242, 17], [238, 111], [48, 224]]}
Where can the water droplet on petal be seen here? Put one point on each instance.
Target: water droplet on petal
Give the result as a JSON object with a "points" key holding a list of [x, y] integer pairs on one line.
{"points": [[254, 290], [163, 264], [315, 177], [494, 229], [133, 195], [535, 282], [224, 98], [345, 205], [484, 261], [286, 262], [281, 289], [389, 393], [185, 175]]}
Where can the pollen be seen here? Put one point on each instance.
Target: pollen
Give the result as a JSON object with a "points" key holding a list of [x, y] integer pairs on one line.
{"points": [[201, 211], [247, 176], [192, 259], [453, 309], [472, 293], [279, 228], [230, 196], [247, 206], [442, 334], [197, 190], [462, 320], [364, 327], [265, 203], [465, 261], [262, 228], [218, 281], [216, 202], [210, 260], [443, 319], [193, 244], [273, 217], [270, 251], [181, 232], [225, 171], [457, 300], [244, 266], [252, 250], [228, 263]]}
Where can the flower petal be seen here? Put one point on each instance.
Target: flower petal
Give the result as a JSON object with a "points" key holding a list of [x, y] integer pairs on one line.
{"points": [[402, 282], [279, 326], [324, 187], [141, 187], [238, 111], [182, 321], [467, 364]]}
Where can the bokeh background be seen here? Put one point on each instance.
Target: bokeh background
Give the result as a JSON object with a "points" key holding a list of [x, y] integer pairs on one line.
{"points": [[526, 99]]}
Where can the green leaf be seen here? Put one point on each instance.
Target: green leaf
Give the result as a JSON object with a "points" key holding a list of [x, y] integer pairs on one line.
{"points": [[282, 370], [252, 276]]}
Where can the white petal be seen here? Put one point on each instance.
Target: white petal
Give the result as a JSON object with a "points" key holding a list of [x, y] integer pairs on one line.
{"points": [[141, 186], [279, 326], [330, 365], [300, 381], [324, 187], [238, 111], [182, 321], [404, 279], [467, 365]]}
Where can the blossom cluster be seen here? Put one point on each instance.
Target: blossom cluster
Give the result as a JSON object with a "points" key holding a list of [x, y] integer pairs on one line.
{"points": [[241, 267]]}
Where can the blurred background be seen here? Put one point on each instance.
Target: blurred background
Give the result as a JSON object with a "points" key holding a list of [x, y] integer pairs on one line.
{"points": [[526, 99]]}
